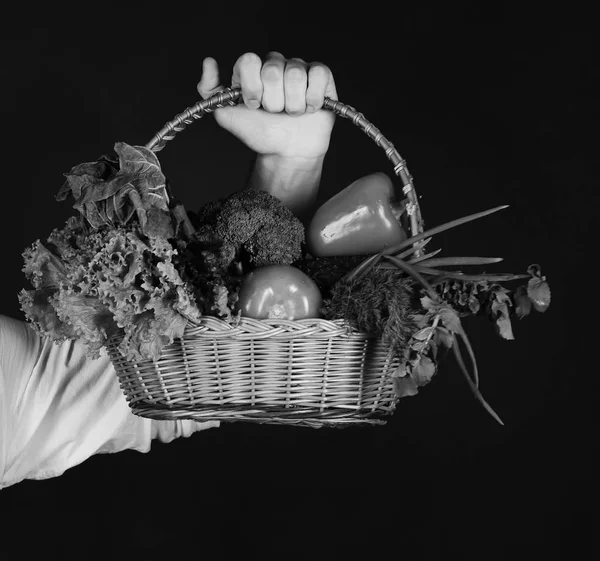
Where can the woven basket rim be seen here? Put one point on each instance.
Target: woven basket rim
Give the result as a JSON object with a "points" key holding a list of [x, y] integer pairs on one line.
{"points": [[211, 326], [251, 325]]}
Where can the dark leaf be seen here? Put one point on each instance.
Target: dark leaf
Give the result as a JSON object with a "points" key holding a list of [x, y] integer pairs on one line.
{"points": [[95, 214], [433, 346], [120, 207], [450, 319], [421, 320], [423, 370], [105, 194], [159, 224], [424, 333], [100, 190], [88, 174], [444, 337], [522, 302], [405, 386], [474, 304]]}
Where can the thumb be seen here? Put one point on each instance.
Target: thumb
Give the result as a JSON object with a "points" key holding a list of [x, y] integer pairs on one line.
{"points": [[210, 82]]}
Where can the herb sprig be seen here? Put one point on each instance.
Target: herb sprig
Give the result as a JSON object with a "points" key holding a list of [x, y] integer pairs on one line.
{"points": [[447, 295]]}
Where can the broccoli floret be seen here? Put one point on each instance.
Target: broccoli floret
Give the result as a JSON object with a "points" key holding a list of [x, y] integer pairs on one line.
{"points": [[251, 228]]}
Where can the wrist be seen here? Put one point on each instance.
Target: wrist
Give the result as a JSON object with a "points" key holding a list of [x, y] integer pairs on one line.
{"points": [[293, 180], [167, 431]]}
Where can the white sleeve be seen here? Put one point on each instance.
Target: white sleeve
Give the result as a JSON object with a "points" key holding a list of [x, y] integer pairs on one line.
{"points": [[58, 408]]}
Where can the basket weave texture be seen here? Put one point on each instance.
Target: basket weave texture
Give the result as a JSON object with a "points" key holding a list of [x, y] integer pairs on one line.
{"points": [[310, 372], [307, 372]]}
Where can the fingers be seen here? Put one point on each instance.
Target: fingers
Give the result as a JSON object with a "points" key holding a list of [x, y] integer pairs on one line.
{"points": [[320, 85], [273, 99], [278, 84], [247, 75], [209, 82], [295, 80]]}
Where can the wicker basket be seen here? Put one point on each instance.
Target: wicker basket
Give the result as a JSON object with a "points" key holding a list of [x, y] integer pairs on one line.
{"points": [[310, 372]]}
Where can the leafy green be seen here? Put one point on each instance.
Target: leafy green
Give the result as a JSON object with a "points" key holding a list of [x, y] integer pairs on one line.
{"points": [[523, 304], [472, 384], [110, 192], [538, 289], [113, 268], [534, 295], [121, 266], [497, 302], [500, 304], [436, 322], [379, 302]]}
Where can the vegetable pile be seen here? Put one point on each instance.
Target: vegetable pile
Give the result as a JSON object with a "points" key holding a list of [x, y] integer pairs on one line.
{"points": [[134, 262]]}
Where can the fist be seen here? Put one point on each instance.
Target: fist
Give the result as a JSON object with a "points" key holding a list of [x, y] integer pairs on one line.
{"points": [[281, 113]]}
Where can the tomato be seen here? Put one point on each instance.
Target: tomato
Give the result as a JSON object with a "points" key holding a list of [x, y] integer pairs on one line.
{"points": [[279, 292]]}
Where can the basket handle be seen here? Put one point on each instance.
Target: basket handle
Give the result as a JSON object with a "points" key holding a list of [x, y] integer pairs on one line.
{"points": [[231, 96]]}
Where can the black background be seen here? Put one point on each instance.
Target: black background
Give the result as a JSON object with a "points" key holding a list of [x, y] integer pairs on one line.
{"points": [[488, 107]]}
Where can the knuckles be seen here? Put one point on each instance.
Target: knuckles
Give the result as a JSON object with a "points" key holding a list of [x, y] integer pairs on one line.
{"points": [[295, 74], [271, 72], [249, 59], [319, 71], [294, 112], [273, 106], [314, 101]]}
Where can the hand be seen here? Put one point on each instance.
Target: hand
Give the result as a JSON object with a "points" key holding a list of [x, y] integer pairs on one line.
{"points": [[291, 93]]}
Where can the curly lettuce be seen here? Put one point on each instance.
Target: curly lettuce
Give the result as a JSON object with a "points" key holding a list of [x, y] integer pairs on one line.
{"points": [[112, 268], [91, 287]]}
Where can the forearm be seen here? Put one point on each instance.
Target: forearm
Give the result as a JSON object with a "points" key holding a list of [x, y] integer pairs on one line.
{"points": [[58, 408], [295, 182]]}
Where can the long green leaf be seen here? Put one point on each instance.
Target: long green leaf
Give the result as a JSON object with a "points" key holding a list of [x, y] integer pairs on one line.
{"points": [[410, 270], [467, 343], [446, 226], [425, 257], [474, 388], [411, 250], [451, 261], [365, 267], [460, 360], [497, 277]]}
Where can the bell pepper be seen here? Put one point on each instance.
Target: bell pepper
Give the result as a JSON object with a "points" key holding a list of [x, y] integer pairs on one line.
{"points": [[361, 219]]}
